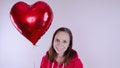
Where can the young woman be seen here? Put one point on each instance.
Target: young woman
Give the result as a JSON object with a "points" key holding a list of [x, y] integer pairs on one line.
{"points": [[61, 54]]}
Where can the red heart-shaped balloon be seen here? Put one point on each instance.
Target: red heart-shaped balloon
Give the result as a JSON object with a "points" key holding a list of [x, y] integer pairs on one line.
{"points": [[32, 21]]}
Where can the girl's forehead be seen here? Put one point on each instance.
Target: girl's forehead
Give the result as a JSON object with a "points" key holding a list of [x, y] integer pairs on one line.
{"points": [[62, 35]]}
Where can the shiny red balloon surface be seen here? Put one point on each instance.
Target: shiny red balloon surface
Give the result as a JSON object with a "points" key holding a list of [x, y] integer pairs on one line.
{"points": [[32, 21]]}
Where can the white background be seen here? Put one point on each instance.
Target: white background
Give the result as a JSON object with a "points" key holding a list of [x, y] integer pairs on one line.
{"points": [[95, 25]]}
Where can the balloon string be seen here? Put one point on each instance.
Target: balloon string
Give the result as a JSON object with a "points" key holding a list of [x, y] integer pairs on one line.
{"points": [[33, 57], [34, 64], [34, 54], [35, 46]]}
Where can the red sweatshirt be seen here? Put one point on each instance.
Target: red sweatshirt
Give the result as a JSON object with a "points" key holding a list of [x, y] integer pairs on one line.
{"points": [[74, 63]]}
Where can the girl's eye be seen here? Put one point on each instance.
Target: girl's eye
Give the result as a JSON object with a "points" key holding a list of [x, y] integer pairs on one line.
{"points": [[64, 41], [57, 40]]}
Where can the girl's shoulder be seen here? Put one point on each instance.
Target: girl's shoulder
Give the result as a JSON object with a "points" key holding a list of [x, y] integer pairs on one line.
{"points": [[76, 61], [45, 57]]}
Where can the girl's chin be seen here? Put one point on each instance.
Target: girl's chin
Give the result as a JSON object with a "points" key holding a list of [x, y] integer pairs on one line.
{"points": [[59, 52]]}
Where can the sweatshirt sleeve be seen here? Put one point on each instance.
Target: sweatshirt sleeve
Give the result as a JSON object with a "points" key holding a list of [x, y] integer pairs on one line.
{"points": [[78, 64], [42, 62]]}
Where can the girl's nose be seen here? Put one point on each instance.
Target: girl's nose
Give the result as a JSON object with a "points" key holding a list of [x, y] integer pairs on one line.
{"points": [[59, 43]]}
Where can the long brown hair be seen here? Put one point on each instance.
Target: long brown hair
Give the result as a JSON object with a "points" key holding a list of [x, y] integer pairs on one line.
{"points": [[68, 53]]}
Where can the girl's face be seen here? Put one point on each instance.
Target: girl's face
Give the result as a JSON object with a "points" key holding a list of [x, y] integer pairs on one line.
{"points": [[61, 42]]}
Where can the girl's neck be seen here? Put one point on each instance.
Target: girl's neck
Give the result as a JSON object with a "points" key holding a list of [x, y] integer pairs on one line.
{"points": [[59, 59]]}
